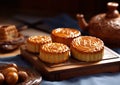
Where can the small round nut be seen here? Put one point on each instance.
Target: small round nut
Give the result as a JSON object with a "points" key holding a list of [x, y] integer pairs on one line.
{"points": [[22, 75], [9, 69], [11, 78], [13, 65], [2, 78]]}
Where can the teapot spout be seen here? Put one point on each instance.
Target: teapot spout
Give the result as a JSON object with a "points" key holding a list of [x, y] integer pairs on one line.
{"points": [[82, 22]]}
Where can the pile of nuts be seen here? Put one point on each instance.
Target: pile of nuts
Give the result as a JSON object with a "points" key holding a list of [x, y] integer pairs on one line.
{"points": [[11, 75]]}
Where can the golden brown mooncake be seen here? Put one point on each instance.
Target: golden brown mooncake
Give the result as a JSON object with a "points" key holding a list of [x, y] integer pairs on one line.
{"points": [[87, 48], [54, 53], [64, 35], [34, 43]]}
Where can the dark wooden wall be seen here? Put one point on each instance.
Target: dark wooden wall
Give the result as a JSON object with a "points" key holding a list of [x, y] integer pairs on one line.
{"points": [[53, 7]]}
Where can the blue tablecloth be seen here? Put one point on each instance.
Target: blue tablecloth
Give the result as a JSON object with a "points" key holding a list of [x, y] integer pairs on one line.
{"points": [[97, 79]]}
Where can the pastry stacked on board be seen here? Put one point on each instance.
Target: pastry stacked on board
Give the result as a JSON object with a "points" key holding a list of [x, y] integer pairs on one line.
{"points": [[64, 43], [87, 48], [35, 42], [64, 35], [54, 52]]}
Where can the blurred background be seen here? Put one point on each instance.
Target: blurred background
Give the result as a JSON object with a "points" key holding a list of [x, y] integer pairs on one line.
{"points": [[53, 7], [45, 15]]}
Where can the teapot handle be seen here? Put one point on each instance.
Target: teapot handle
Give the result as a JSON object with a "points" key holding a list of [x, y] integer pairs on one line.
{"points": [[112, 10]]}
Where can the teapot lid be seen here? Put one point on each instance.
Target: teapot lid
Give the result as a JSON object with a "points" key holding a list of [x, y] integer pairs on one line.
{"points": [[112, 10]]}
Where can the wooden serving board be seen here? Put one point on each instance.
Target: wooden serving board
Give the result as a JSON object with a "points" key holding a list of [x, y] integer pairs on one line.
{"points": [[72, 67]]}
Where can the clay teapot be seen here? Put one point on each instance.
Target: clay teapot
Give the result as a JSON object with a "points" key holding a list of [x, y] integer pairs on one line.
{"points": [[106, 26]]}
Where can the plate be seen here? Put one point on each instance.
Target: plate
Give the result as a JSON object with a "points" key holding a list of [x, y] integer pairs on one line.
{"points": [[34, 78], [11, 48], [10, 54]]}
